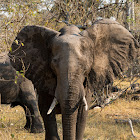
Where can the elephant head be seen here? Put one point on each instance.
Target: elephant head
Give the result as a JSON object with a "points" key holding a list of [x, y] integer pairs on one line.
{"points": [[68, 65]]}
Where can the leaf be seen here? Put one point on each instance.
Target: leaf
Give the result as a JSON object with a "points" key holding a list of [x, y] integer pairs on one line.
{"points": [[22, 44], [10, 49], [15, 81], [17, 72], [12, 135], [16, 41], [3, 126], [16, 77], [8, 22], [21, 71], [22, 74]]}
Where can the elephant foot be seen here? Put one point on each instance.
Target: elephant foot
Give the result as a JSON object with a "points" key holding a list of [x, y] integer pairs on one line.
{"points": [[27, 127], [34, 128], [37, 129]]}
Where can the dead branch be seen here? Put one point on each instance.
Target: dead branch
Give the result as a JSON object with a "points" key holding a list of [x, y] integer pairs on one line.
{"points": [[131, 126], [115, 95], [130, 123], [68, 24], [126, 120], [6, 80], [109, 5], [63, 21]]}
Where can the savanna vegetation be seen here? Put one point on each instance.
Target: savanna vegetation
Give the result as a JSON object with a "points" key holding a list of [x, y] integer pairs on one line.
{"points": [[111, 120]]}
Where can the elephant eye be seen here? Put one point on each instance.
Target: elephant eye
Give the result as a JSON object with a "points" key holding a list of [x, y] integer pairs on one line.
{"points": [[54, 62]]}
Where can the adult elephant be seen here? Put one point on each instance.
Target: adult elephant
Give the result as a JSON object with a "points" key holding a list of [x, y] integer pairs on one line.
{"points": [[66, 66], [18, 90]]}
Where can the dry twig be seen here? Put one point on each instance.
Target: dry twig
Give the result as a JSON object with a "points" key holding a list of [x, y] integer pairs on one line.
{"points": [[131, 126]]}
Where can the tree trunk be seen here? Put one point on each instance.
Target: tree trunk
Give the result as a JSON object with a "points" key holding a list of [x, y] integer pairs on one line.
{"points": [[128, 16], [133, 12]]}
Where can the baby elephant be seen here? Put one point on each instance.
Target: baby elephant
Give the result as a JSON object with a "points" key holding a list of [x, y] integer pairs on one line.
{"points": [[15, 89]]}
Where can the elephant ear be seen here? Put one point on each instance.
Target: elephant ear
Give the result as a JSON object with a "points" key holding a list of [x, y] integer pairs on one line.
{"points": [[114, 48], [31, 52]]}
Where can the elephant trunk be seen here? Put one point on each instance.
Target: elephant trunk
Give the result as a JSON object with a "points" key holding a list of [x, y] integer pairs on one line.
{"points": [[70, 97], [69, 117], [70, 108]]}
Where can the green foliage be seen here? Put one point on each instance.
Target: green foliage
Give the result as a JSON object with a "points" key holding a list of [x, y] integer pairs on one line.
{"points": [[10, 49], [16, 41], [18, 73], [52, 14], [17, 14], [12, 135], [22, 44], [130, 20], [22, 73]]}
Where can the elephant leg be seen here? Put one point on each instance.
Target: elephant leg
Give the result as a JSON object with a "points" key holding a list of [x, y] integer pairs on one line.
{"points": [[27, 96], [28, 118], [51, 127], [36, 125], [50, 124], [27, 114]]}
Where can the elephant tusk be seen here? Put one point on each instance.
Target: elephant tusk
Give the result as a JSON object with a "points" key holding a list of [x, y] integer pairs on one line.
{"points": [[54, 103], [85, 103]]}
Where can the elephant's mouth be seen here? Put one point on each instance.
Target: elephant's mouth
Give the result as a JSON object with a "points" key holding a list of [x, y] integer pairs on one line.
{"points": [[82, 100], [55, 102]]}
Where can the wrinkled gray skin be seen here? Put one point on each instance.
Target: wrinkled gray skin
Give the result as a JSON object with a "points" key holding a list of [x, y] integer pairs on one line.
{"points": [[68, 65], [22, 94]]}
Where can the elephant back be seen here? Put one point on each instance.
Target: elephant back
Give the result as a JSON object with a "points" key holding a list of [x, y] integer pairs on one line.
{"points": [[72, 29], [8, 88], [7, 72]]}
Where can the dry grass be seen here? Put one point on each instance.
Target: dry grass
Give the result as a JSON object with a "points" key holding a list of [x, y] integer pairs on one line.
{"points": [[126, 82], [101, 124], [12, 121]]}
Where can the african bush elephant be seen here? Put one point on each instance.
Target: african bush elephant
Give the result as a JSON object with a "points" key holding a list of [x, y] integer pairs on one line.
{"points": [[66, 66], [18, 90]]}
